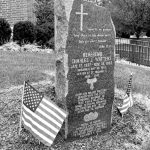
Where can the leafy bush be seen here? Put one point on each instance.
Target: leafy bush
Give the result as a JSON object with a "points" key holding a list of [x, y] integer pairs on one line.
{"points": [[24, 32], [122, 34], [44, 33], [125, 35], [41, 36], [50, 43], [148, 33], [5, 31]]}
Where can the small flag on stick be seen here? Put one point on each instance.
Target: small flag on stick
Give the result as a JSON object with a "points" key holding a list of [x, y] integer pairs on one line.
{"points": [[42, 117], [128, 100]]}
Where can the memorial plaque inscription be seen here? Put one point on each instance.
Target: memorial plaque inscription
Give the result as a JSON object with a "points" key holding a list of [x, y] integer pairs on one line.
{"points": [[90, 51]]}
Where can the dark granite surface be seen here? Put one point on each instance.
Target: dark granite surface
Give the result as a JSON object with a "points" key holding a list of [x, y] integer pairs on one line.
{"points": [[90, 49]]}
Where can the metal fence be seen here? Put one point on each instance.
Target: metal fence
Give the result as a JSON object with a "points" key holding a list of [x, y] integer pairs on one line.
{"points": [[136, 51]]}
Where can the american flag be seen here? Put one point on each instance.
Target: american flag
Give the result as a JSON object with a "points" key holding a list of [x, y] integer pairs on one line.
{"points": [[128, 100], [41, 116]]}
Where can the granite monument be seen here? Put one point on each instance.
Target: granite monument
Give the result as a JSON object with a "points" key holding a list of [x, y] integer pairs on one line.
{"points": [[87, 67]]}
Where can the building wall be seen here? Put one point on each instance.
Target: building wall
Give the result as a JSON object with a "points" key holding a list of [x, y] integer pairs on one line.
{"points": [[30, 10], [17, 10]]}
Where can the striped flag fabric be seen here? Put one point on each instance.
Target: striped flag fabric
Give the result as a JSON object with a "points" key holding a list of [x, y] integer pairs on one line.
{"points": [[129, 85], [128, 100], [42, 117]]}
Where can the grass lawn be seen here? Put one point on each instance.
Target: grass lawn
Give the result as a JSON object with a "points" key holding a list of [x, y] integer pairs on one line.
{"points": [[141, 77], [132, 134], [15, 67]]}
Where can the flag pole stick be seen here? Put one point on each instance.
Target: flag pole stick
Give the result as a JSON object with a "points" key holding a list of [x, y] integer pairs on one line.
{"points": [[21, 109], [66, 127], [66, 120], [122, 119]]}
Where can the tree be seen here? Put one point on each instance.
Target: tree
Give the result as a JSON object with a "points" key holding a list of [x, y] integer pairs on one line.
{"points": [[45, 12], [131, 15], [45, 22]]}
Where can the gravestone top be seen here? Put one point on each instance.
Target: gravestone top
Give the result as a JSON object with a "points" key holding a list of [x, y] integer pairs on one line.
{"points": [[91, 35]]}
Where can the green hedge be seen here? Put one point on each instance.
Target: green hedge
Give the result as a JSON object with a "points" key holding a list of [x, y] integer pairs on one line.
{"points": [[44, 35], [5, 31], [24, 32]]}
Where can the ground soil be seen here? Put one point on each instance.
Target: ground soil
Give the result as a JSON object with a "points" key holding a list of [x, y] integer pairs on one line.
{"points": [[130, 133]]}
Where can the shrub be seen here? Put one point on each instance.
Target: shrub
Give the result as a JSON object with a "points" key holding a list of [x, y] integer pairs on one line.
{"points": [[24, 32], [51, 43], [125, 35], [44, 33], [122, 34], [5, 31], [41, 36], [148, 33]]}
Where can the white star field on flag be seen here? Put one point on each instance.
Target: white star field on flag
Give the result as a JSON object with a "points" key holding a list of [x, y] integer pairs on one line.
{"points": [[32, 98]]}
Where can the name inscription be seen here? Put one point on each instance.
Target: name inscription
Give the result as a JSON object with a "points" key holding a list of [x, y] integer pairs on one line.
{"points": [[91, 64]]}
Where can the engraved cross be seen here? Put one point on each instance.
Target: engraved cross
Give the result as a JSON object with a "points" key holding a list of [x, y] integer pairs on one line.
{"points": [[81, 19]]}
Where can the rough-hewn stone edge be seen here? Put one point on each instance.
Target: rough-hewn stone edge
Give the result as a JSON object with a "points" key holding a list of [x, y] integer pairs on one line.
{"points": [[61, 26], [61, 33]]}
